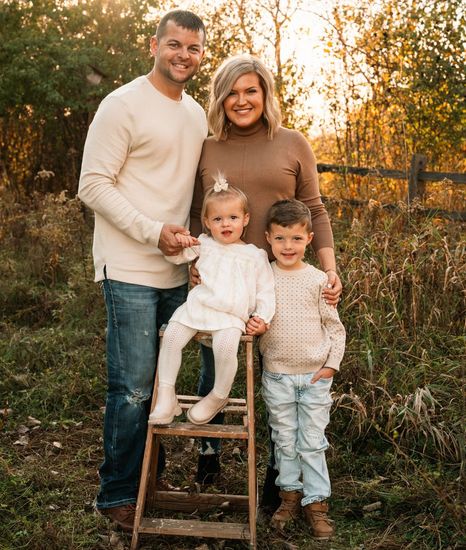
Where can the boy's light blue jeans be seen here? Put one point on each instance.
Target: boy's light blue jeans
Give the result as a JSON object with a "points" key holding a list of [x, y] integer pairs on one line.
{"points": [[135, 314], [299, 412]]}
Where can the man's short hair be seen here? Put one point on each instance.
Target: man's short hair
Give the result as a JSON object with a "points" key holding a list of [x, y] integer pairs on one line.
{"points": [[182, 18], [289, 212]]}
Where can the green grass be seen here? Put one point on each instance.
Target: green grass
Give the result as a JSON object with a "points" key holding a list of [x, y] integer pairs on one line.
{"points": [[396, 430]]}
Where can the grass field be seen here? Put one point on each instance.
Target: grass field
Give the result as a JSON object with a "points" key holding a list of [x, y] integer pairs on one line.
{"points": [[396, 434]]}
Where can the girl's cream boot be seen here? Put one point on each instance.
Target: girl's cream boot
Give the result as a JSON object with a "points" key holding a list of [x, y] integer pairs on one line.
{"points": [[166, 406], [205, 409]]}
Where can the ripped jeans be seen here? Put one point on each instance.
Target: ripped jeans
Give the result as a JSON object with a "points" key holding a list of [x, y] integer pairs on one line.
{"points": [[298, 415], [135, 314]]}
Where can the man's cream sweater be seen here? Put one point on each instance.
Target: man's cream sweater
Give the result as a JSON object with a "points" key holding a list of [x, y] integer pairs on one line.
{"points": [[138, 172]]}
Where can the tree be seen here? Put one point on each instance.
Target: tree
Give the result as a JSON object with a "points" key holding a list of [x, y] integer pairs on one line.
{"points": [[398, 86], [60, 58], [51, 51]]}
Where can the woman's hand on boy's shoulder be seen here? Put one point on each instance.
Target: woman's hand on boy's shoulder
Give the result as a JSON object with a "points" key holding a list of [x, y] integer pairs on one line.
{"points": [[324, 372], [256, 326]]}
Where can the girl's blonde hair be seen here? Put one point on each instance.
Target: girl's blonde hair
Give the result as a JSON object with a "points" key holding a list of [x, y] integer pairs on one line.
{"points": [[222, 83], [221, 190]]}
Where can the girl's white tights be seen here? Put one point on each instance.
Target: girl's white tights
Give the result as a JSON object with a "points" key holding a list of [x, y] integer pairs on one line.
{"points": [[224, 345]]}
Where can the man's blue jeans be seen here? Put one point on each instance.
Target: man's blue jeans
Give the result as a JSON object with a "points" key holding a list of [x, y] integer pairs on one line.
{"points": [[135, 314]]}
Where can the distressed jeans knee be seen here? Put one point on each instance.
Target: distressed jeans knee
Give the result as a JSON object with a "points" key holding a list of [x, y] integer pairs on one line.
{"points": [[135, 314], [137, 398]]}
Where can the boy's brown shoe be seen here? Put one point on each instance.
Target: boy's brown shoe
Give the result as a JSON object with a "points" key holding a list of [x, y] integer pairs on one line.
{"points": [[122, 516], [315, 515], [289, 509]]}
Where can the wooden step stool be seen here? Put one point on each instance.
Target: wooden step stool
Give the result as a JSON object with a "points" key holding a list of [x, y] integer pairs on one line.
{"points": [[149, 496]]}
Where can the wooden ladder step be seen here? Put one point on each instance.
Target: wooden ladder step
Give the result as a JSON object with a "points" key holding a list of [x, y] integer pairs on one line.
{"points": [[186, 429], [193, 398], [234, 405], [195, 528], [207, 336], [200, 502]]}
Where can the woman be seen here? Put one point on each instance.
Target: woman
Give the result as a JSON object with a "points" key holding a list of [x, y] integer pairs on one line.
{"points": [[268, 163]]}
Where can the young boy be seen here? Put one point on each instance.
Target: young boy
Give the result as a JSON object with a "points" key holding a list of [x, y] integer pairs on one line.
{"points": [[302, 350]]}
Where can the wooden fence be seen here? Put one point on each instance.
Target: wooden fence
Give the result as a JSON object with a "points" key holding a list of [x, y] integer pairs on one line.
{"points": [[417, 178]]}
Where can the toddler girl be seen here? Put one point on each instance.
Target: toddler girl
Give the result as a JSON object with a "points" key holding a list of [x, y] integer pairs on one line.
{"points": [[236, 284]]}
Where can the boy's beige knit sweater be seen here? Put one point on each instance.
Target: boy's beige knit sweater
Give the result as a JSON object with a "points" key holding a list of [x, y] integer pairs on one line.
{"points": [[305, 333]]}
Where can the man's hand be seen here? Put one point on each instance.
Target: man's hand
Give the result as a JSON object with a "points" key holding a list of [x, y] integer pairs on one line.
{"points": [[256, 326], [168, 242], [324, 372], [332, 290], [186, 241]]}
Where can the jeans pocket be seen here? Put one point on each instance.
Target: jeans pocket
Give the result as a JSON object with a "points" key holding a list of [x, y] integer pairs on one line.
{"points": [[325, 382]]}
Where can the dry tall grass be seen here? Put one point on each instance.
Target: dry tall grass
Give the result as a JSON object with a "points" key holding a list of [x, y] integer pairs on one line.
{"points": [[398, 401]]}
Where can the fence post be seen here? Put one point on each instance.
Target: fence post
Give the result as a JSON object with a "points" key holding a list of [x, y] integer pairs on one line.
{"points": [[415, 186]]}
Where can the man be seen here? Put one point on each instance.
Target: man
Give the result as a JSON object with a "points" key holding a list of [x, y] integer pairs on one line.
{"points": [[138, 172]]}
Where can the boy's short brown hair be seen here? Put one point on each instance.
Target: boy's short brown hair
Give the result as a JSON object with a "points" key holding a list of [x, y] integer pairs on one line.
{"points": [[289, 212]]}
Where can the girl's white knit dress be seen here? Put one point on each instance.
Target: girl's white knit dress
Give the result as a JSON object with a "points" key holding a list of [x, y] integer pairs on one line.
{"points": [[236, 282]]}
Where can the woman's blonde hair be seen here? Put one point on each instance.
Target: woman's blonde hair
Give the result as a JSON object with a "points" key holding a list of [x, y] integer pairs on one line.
{"points": [[221, 190], [222, 83]]}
